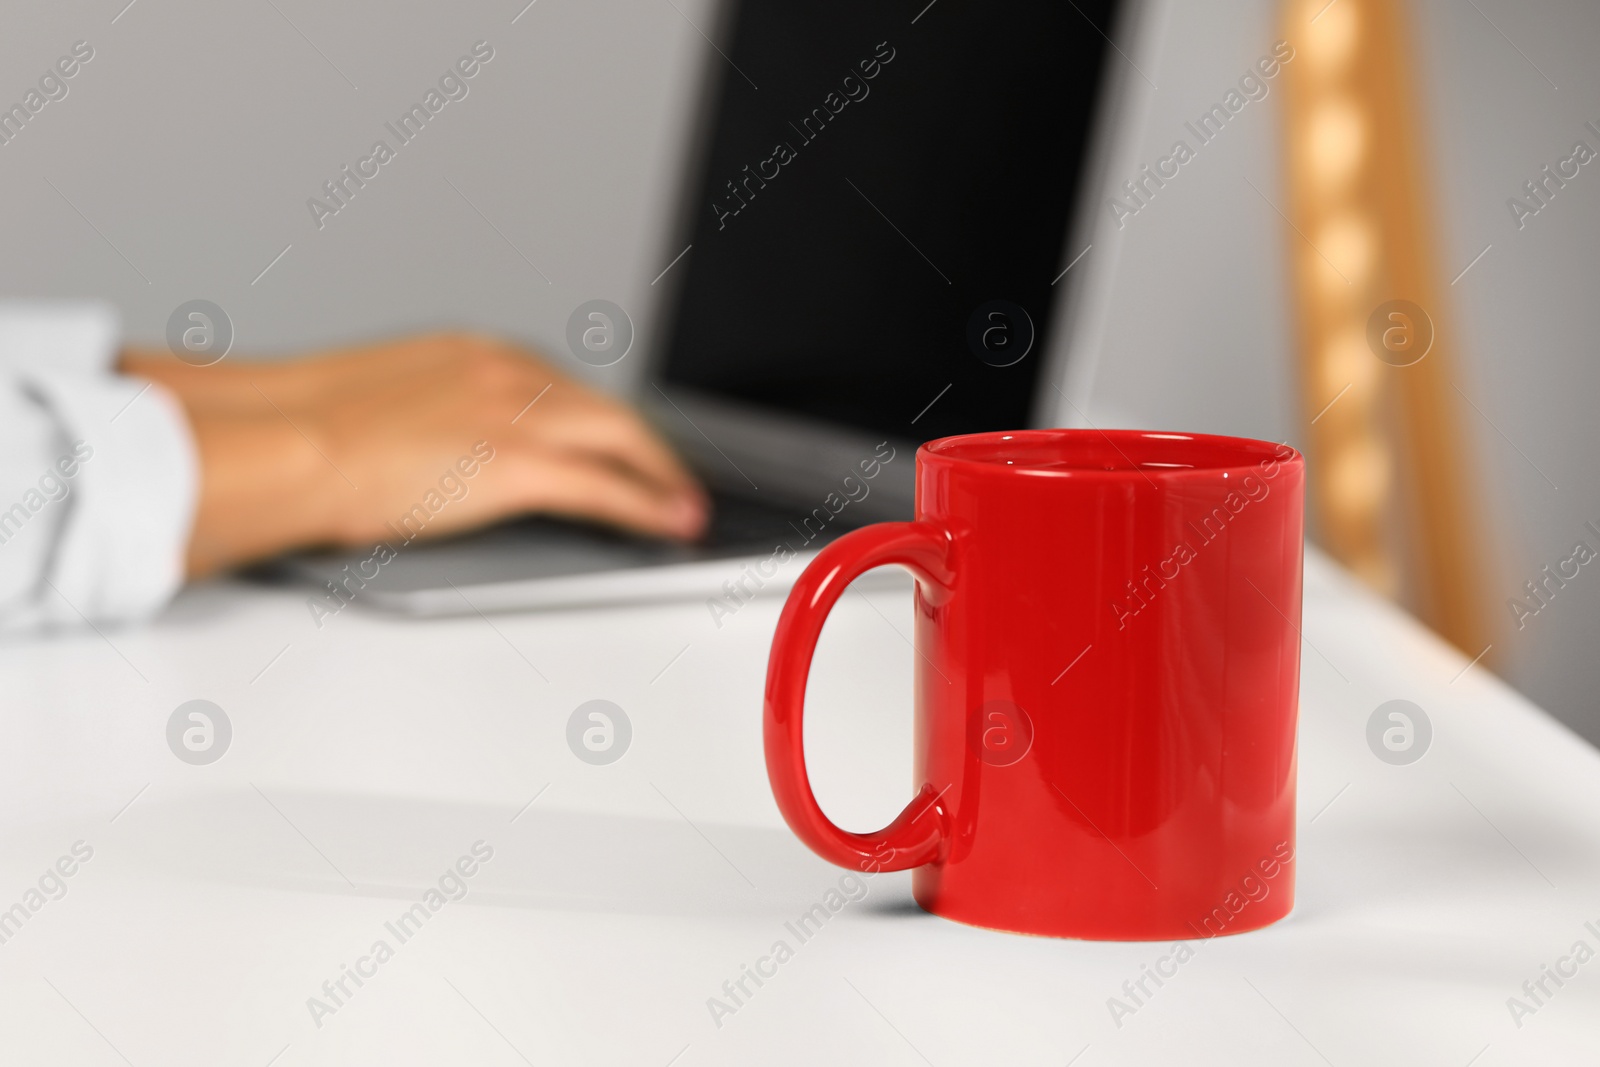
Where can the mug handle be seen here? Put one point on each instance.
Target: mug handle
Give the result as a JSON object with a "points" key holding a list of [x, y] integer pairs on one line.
{"points": [[918, 833]]}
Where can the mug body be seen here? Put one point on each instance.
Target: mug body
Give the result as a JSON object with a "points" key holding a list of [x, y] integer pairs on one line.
{"points": [[1107, 692]]}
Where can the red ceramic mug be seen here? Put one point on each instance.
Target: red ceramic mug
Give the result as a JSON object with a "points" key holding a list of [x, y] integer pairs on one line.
{"points": [[1107, 679]]}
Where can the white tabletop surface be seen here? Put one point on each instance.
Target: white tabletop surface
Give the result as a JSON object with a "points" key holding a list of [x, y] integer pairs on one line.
{"points": [[369, 756]]}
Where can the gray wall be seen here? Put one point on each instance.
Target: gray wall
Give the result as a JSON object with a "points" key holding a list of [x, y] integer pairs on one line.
{"points": [[197, 133], [192, 140]]}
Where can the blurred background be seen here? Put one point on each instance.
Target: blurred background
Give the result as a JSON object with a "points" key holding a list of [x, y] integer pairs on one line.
{"points": [[179, 164]]}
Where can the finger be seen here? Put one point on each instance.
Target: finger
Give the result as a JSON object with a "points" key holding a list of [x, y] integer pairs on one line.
{"points": [[565, 484], [606, 430], [634, 443]]}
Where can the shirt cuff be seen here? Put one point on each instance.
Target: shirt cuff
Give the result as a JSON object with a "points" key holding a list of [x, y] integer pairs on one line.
{"points": [[66, 336], [121, 552]]}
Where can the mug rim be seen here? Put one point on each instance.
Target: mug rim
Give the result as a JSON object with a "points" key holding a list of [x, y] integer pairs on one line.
{"points": [[1213, 452]]}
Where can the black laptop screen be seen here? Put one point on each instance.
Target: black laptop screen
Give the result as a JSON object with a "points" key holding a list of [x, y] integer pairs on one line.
{"points": [[884, 187]]}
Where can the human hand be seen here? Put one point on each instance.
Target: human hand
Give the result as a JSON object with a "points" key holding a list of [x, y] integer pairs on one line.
{"points": [[331, 448]]}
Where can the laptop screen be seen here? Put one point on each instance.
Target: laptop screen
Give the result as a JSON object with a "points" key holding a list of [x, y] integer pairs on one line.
{"points": [[883, 205]]}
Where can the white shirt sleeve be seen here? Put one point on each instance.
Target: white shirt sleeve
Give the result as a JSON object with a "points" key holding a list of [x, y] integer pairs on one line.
{"points": [[98, 474]]}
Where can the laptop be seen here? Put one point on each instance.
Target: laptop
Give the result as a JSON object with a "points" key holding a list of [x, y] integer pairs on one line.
{"points": [[883, 204]]}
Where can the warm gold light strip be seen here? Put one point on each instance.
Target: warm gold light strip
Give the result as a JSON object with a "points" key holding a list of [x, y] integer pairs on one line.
{"points": [[1388, 485]]}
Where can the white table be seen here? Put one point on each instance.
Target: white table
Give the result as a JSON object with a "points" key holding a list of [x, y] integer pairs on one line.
{"points": [[370, 755]]}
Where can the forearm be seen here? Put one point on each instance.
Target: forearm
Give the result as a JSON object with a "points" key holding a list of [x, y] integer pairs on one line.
{"points": [[263, 490], [263, 487], [239, 385]]}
